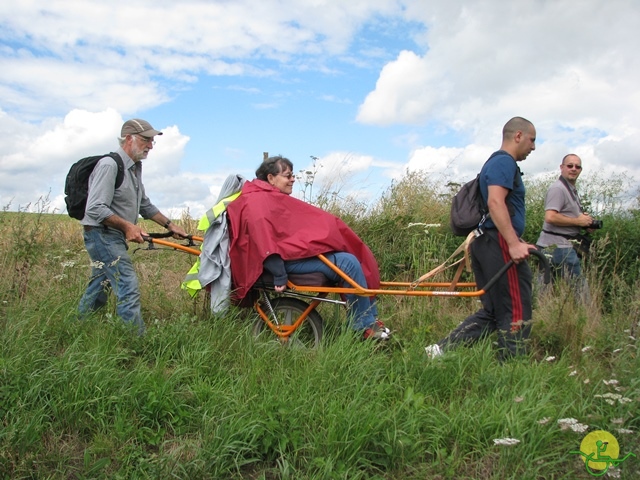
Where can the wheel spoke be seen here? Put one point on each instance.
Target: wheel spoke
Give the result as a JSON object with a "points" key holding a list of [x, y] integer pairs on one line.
{"points": [[288, 310]]}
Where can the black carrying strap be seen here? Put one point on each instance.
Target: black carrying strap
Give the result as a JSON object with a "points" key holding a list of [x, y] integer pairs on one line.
{"points": [[572, 191], [486, 215], [565, 235], [574, 195]]}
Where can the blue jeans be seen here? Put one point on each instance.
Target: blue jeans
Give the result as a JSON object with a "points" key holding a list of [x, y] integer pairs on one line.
{"points": [[363, 310], [565, 264], [111, 269]]}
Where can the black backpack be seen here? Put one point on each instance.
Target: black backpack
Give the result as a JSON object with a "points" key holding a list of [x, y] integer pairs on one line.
{"points": [[76, 186], [468, 209]]}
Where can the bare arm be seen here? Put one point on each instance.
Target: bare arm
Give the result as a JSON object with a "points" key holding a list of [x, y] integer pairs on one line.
{"points": [[497, 203], [164, 221], [559, 220]]}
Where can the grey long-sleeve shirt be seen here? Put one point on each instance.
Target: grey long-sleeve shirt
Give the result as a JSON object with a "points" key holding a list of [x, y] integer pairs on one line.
{"points": [[128, 201]]}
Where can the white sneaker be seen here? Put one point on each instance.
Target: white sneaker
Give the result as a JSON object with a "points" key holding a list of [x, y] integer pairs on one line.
{"points": [[433, 350]]}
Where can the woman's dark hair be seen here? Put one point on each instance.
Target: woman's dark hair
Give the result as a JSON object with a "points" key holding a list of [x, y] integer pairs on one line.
{"points": [[273, 166]]}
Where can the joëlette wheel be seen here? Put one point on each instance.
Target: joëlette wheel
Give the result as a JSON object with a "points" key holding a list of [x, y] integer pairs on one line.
{"points": [[307, 335]]}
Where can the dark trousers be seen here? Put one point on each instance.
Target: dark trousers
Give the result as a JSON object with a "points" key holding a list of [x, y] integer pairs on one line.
{"points": [[506, 307]]}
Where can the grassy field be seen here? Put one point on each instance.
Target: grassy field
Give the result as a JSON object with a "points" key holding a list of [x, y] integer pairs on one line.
{"points": [[198, 398]]}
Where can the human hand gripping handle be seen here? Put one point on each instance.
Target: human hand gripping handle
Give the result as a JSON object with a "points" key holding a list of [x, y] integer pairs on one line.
{"points": [[134, 233], [520, 251], [177, 230]]}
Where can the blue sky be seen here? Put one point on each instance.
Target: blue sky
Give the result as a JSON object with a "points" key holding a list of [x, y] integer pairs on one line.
{"points": [[373, 88]]}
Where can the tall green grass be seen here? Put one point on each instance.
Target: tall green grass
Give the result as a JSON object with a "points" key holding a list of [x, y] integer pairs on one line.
{"points": [[198, 398]]}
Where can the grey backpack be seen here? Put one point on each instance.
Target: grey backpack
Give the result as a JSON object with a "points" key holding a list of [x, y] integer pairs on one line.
{"points": [[468, 208]]}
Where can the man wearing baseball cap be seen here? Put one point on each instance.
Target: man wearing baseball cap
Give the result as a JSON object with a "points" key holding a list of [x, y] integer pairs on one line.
{"points": [[111, 220]]}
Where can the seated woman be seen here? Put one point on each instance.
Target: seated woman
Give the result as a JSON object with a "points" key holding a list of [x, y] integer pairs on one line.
{"points": [[271, 230]]}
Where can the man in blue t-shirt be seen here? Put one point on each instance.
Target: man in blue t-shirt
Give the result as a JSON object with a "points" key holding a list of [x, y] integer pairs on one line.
{"points": [[506, 307]]}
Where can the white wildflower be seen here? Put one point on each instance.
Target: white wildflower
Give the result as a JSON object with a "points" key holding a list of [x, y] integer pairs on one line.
{"points": [[97, 264], [613, 396], [574, 373], [114, 262], [613, 381], [426, 226], [506, 441], [586, 380], [617, 421], [573, 424], [68, 263], [586, 349], [544, 420], [613, 472], [631, 337], [518, 399], [579, 427], [624, 430], [617, 350], [567, 421], [610, 402], [550, 358], [60, 277]]}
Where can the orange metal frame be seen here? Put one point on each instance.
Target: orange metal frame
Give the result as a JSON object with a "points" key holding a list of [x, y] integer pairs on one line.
{"points": [[177, 246], [284, 331], [425, 289], [415, 289], [394, 288]]}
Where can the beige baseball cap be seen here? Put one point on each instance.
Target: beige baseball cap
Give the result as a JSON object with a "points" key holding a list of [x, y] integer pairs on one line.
{"points": [[137, 126]]}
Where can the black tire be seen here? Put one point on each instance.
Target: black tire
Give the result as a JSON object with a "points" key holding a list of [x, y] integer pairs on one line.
{"points": [[307, 335]]}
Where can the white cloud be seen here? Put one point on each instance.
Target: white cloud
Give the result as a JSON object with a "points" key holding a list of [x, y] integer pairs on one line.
{"points": [[487, 61], [572, 71], [37, 159], [72, 70], [92, 55]]}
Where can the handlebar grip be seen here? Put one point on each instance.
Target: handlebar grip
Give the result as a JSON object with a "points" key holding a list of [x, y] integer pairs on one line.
{"points": [[161, 235], [544, 263], [533, 251]]}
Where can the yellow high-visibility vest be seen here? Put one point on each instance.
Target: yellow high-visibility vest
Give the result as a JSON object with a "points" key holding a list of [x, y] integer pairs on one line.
{"points": [[191, 283]]}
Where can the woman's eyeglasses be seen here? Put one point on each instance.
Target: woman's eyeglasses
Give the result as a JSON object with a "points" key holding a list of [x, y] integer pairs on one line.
{"points": [[288, 175]]}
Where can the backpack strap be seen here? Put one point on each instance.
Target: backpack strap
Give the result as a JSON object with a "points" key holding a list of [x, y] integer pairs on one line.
{"points": [[120, 164], [486, 215]]}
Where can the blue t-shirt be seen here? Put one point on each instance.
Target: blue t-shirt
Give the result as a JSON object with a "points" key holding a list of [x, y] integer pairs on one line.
{"points": [[501, 169]]}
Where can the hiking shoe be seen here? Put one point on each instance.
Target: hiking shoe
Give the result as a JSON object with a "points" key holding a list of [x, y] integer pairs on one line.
{"points": [[377, 331], [433, 350]]}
